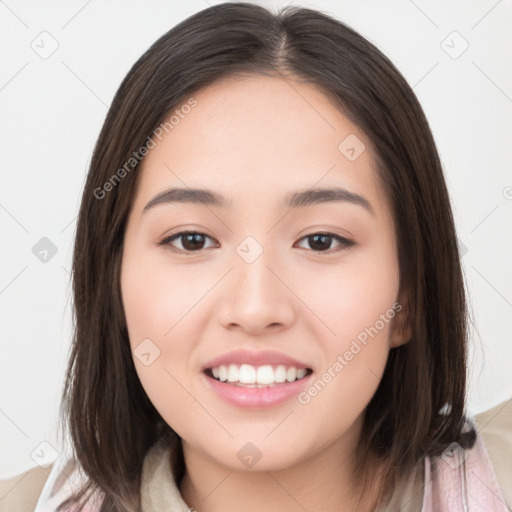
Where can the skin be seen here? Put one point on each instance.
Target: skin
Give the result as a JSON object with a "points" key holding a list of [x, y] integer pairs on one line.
{"points": [[254, 139]]}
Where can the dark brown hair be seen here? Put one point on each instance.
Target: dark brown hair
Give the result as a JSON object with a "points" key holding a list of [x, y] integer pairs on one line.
{"points": [[419, 406]]}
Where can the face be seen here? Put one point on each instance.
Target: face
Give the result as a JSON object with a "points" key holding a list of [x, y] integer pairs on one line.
{"points": [[313, 281]]}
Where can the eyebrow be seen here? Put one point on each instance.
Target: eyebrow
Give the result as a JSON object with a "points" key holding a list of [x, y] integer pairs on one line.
{"points": [[296, 199]]}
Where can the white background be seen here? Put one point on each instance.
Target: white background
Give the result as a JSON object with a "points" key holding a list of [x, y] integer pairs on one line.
{"points": [[52, 111]]}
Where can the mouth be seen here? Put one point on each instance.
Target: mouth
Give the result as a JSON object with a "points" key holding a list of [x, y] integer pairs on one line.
{"points": [[249, 376]]}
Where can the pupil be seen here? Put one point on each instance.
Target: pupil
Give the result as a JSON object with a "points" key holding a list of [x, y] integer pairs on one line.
{"points": [[319, 245], [193, 241]]}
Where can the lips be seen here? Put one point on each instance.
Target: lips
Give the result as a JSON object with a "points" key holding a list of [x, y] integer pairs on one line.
{"points": [[237, 385], [256, 398]]}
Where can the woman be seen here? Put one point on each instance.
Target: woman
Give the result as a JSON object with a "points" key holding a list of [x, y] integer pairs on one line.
{"points": [[270, 310]]}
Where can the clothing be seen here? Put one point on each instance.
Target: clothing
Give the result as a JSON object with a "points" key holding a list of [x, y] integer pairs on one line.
{"points": [[478, 480]]}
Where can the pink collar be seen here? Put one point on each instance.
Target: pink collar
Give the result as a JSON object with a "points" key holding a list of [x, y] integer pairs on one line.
{"points": [[462, 481], [458, 481]]}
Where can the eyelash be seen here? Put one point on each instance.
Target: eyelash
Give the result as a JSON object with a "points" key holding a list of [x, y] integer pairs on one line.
{"points": [[345, 243]]}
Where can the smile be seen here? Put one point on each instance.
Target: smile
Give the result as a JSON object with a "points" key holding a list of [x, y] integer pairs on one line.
{"points": [[248, 375], [256, 387]]}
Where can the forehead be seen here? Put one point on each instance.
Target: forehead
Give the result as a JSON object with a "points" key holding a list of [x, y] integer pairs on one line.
{"points": [[259, 135]]}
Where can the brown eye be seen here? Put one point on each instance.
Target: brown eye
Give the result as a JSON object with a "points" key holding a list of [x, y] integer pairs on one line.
{"points": [[321, 242], [194, 241], [190, 241]]}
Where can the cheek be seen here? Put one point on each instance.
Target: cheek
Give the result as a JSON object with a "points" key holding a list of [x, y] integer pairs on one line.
{"points": [[354, 360], [339, 395], [167, 390], [152, 314], [156, 301], [357, 305], [156, 296], [353, 296]]}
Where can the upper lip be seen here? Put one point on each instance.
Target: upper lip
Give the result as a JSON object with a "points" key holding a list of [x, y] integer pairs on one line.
{"points": [[254, 358]]}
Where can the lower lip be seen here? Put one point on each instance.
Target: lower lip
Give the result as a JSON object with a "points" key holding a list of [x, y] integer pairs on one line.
{"points": [[257, 397]]}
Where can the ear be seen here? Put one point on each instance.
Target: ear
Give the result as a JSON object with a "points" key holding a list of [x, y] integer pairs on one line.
{"points": [[401, 328]]}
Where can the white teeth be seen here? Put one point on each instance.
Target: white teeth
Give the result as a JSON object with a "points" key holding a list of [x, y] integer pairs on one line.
{"points": [[291, 374], [247, 374], [264, 375], [280, 373], [301, 372], [233, 373], [223, 373]]}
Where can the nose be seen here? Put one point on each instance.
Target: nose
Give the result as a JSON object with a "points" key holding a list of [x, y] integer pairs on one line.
{"points": [[257, 297]]}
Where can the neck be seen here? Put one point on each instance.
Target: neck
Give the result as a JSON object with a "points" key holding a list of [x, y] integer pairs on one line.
{"points": [[324, 482]]}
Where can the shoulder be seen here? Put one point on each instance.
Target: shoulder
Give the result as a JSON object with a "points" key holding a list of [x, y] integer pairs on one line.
{"points": [[20, 493], [495, 427]]}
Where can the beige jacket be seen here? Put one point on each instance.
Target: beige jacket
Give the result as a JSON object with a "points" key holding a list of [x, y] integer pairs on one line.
{"points": [[21, 493]]}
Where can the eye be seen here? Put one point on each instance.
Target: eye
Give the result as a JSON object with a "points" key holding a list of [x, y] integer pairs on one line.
{"points": [[194, 241], [321, 242], [190, 241]]}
